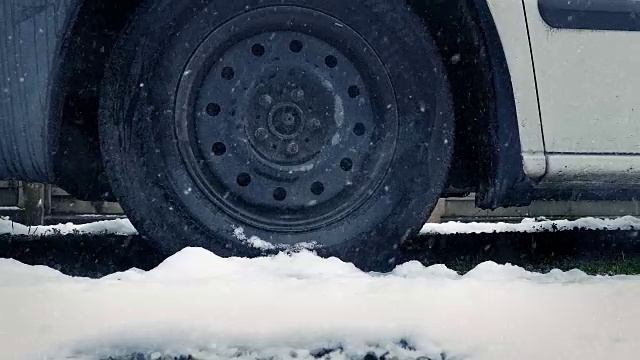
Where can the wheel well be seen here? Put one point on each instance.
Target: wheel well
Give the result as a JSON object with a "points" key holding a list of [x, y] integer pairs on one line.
{"points": [[77, 161], [454, 24], [487, 155], [457, 34]]}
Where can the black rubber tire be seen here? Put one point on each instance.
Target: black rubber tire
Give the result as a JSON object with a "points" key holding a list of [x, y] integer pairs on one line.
{"points": [[136, 110]]}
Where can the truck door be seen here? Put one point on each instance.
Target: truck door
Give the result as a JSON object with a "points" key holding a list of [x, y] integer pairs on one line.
{"points": [[586, 56]]}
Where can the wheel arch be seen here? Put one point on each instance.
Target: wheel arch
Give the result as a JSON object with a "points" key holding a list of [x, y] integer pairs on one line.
{"points": [[489, 164], [86, 45], [487, 155]]}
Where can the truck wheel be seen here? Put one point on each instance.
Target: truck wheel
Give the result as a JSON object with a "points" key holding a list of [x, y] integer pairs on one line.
{"points": [[240, 126]]}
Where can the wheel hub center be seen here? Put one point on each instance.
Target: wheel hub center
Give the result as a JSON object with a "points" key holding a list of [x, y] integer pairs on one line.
{"points": [[289, 112], [286, 120]]}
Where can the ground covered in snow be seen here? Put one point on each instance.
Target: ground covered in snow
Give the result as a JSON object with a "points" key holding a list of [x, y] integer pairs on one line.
{"points": [[529, 225], [301, 306], [116, 226], [124, 227], [597, 252]]}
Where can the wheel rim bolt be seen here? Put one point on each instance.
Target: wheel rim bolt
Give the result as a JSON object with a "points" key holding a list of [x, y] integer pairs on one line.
{"points": [[266, 101], [314, 123], [297, 95], [261, 133], [292, 148]]}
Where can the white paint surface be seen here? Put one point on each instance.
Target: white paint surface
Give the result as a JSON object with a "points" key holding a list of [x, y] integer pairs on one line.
{"points": [[588, 87], [510, 21]]}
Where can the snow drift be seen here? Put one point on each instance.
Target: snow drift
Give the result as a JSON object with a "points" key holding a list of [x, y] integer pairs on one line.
{"points": [[295, 306]]}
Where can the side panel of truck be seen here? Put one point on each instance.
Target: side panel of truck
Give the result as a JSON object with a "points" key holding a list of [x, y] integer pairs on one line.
{"points": [[587, 64]]}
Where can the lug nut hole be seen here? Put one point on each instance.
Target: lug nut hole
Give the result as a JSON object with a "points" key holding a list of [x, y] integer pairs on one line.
{"points": [[213, 109], [353, 91], [243, 179], [346, 164], [257, 49], [219, 149], [227, 73], [295, 46], [359, 129], [279, 194], [317, 188], [331, 61]]}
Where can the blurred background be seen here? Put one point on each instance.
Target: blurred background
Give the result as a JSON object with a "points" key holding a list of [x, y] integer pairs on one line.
{"points": [[38, 204]]}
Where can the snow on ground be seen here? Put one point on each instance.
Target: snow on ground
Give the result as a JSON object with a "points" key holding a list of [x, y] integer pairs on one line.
{"points": [[290, 306], [116, 226], [10, 208], [529, 225], [124, 227]]}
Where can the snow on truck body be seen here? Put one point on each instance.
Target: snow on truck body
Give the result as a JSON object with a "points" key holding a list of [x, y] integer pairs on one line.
{"points": [[511, 99]]}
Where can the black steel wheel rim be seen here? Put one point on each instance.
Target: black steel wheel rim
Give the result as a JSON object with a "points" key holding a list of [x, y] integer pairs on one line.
{"points": [[286, 119]]}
